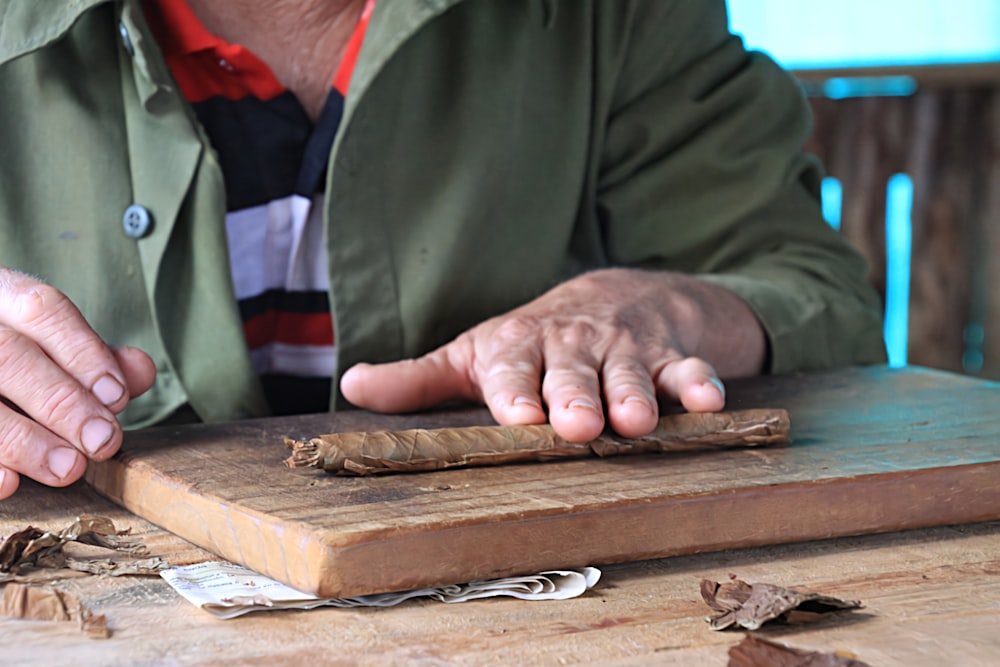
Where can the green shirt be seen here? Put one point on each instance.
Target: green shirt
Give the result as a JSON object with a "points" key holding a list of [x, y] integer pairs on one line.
{"points": [[488, 150]]}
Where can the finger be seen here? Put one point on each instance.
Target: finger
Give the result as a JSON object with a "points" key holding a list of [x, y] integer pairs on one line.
{"points": [[138, 369], [629, 395], [48, 459], [694, 383], [510, 378], [9, 481], [44, 392], [571, 388], [406, 386], [46, 316]]}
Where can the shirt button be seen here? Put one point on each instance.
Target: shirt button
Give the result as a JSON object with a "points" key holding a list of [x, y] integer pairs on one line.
{"points": [[126, 40], [137, 221]]}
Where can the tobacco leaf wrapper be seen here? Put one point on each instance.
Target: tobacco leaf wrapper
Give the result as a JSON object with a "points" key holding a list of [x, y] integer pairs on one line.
{"points": [[417, 450], [752, 605], [758, 652], [45, 603]]}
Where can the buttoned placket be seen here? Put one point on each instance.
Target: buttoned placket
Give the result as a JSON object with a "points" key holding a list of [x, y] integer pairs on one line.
{"points": [[166, 150]]}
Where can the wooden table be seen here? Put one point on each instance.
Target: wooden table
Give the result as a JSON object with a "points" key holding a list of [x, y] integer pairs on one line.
{"points": [[932, 597]]}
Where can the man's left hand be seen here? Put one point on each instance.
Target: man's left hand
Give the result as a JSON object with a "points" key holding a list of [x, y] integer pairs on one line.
{"points": [[606, 343]]}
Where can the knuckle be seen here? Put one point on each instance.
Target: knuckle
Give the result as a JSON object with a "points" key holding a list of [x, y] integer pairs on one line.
{"points": [[38, 304], [576, 380], [14, 436], [516, 328], [632, 387], [55, 405], [578, 334], [81, 357], [507, 368], [628, 369], [19, 380]]}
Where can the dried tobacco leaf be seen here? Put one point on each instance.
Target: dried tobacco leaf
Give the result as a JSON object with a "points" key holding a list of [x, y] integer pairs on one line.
{"points": [[757, 652], [117, 568], [45, 603], [751, 605], [417, 450], [34, 548], [14, 545]]}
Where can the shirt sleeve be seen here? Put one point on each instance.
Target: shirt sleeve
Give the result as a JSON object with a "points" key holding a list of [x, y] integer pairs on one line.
{"points": [[702, 171]]}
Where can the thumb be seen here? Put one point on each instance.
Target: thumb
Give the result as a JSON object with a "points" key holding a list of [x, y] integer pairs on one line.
{"points": [[407, 386], [138, 367]]}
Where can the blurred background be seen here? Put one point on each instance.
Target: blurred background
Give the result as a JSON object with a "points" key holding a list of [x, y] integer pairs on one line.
{"points": [[906, 102]]}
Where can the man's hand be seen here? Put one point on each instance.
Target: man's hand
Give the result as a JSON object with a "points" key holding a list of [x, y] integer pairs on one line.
{"points": [[60, 384], [608, 342]]}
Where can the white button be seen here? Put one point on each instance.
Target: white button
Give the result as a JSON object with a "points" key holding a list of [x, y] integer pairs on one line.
{"points": [[137, 221], [126, 40]]}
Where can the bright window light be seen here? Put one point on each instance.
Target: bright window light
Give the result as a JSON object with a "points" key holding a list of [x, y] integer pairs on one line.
{"points": [[850, 33]]}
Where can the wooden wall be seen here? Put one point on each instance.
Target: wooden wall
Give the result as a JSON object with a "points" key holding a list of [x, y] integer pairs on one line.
{"points": [[946, 136]]}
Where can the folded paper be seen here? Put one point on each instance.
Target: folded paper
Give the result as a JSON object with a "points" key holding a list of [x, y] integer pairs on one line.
{"points": [[227, 590]]}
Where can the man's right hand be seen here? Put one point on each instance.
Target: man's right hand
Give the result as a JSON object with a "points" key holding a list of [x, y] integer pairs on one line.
{"points": [[60, 386]]}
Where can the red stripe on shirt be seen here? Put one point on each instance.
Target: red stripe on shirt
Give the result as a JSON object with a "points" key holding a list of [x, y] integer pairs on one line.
{"points": [[205, 65], [289, 328], [342, 78]]}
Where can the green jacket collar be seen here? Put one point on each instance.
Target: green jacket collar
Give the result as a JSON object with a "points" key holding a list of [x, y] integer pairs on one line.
{"points": [[28, 25]]}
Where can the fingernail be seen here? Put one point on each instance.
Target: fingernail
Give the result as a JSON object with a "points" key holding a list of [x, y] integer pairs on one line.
{"points": [[581, 403], [524, 400], [108, 390], [61, 461], [95, 434], [718, 385]]}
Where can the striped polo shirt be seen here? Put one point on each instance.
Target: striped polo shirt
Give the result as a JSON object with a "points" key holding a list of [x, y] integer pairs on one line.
{"points": [[273, 161]]}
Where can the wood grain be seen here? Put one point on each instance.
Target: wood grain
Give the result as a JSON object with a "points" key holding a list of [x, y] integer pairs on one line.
{"points": [[873, 450], [930, 599]]}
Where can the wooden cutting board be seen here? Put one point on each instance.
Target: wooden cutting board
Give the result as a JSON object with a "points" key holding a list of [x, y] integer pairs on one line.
{"points": [[873, 450]]}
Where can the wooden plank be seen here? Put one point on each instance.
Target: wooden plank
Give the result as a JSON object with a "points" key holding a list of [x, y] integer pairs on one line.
{"points": [[874, 450], [930, 599]]}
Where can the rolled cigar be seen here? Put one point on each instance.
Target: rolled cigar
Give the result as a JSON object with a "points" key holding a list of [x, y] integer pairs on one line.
{"points": [[369, 453]]}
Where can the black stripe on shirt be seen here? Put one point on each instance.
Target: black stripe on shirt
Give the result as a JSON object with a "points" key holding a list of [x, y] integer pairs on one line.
{"points": [[290, 302], [292, 395], [268, 149], [259, 145]]}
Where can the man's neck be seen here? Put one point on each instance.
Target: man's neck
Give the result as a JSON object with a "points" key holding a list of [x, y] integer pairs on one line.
{"points": [[302, 41]]}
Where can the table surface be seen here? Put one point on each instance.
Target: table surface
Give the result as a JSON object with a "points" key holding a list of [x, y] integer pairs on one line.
{"points": [[931, 597]]}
